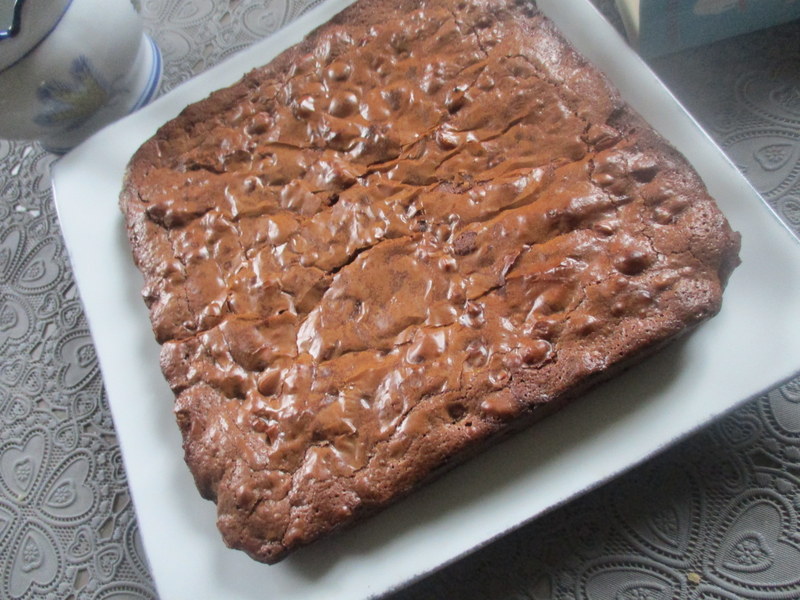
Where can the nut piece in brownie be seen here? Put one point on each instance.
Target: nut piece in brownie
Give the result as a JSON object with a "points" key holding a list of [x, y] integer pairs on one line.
{"points": [[429, 224]]}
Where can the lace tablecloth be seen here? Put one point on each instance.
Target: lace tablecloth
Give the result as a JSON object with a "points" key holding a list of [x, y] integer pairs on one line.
{"points": [[715, 518]]}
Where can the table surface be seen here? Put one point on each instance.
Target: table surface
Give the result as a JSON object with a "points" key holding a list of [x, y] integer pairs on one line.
{"points": [[714, 518]]}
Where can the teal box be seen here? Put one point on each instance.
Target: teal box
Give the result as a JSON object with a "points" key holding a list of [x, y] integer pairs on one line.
{"points": [[657, 27]]}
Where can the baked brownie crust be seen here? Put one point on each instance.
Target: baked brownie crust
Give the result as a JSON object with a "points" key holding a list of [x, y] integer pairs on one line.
{"points": [[426, 225]]}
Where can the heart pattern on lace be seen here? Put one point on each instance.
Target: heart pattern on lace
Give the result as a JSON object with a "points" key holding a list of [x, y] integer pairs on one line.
{"points": [[749, 553], [14, 409], [739, 432], [60, 498], [777, 103], [789, 209], [82, 544], [70, 315], [754, 545], [68, 496], [77, 353], [190, 13], [642, 591], [83, 406], [33, 269], [66, 436], [788, 98], [774, 156], [627, 580], [782, 414], [773, 167], [16, 318], [106, 561], [11, 371], [35, 561], [20, 464], [659, 517], [40, 269], [262, 19], [791, 391], [48, 306], [11, 247], [33, 383]]}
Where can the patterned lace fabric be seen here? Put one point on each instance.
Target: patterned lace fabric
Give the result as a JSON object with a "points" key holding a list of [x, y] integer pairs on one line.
{"points": [[715, 518]]}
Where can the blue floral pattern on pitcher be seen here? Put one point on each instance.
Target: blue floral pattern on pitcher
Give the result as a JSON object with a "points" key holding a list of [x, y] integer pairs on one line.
{"points": [[69, 105]]}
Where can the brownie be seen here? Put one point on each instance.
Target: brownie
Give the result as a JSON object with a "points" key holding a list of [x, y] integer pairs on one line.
{"points": [[427, 225]]}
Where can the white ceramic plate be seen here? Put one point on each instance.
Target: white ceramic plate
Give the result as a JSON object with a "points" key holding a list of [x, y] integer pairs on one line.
{"points": [[751, 345]]}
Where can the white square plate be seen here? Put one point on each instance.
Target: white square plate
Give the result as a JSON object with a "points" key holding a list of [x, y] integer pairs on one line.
{"points": [[751, 345]]}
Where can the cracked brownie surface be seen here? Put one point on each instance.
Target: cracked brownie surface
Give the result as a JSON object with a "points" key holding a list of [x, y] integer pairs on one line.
{"points": [[428, 224]]}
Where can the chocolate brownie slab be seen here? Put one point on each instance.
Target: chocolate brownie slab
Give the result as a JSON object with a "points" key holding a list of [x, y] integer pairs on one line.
{"points": [[427, 225]]}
